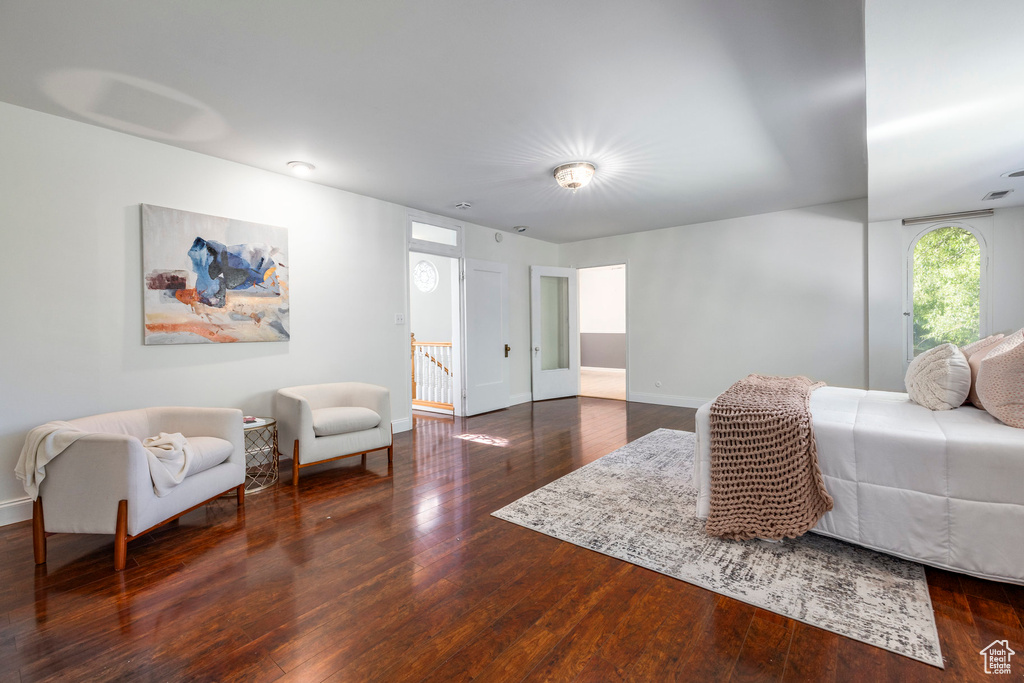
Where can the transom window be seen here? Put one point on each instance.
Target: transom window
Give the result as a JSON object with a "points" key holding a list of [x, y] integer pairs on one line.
{"points": [[431, 238]]}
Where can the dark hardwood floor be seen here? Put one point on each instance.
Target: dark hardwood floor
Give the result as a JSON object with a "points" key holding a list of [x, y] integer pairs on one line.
{"points": [[400, 574]]}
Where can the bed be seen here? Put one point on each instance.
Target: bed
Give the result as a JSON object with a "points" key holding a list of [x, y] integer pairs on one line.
{"points": [[944, 488]]}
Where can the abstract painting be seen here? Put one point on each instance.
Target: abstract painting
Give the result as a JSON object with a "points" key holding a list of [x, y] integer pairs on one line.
{"points": [[212, 280]]}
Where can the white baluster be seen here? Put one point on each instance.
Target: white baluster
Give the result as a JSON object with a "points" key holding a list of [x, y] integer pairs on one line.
{"points": [[419, 371], [430, 372], [433, 374], [426, 373], [429, 365], [446, 377]]}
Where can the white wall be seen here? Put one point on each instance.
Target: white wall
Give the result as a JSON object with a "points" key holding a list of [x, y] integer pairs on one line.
{"points": [[1007, 270], [885, 306], [887, 244], [780, 294], [70, 216], [603, 316], [430, 313], [603, 300]]}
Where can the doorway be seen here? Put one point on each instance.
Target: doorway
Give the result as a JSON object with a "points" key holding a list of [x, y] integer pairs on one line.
{"points": [[434, 331], [602, 315], [458, 323]]}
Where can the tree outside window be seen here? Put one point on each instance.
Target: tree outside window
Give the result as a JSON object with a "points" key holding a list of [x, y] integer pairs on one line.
{"points": [[947, 288]]}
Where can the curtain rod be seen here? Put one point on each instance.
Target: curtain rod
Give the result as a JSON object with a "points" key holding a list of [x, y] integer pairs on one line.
{"points": [[948, 217]]}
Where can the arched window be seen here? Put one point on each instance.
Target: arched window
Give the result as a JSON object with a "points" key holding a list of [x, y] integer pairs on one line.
{"points": [[945, 280]]}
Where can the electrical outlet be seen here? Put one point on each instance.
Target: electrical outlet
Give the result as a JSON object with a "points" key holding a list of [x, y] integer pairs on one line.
{"points": [[399, 318]]}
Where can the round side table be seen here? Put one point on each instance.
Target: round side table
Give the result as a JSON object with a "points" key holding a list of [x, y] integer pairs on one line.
{"points": [[261, 454]]}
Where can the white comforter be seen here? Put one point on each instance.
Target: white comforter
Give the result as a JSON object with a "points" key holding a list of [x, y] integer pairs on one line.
{"points": [[945, 488]]}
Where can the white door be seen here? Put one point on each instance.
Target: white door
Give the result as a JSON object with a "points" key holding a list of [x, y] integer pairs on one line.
{"points": [[485, 291], [554, 331]]}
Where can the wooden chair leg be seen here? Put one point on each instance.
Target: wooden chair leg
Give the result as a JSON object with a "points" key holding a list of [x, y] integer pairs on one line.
{"points": [[38, 532], [391, 451], [121, 536], [295, 464], [240, 495]]}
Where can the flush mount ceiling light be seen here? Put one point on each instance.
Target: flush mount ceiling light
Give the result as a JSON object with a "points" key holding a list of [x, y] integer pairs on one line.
{"points": [[301, 168], [574, 175], [463, 206], [520, 228]]}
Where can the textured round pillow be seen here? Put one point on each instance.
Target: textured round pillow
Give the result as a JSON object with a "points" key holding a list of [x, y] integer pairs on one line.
{"points": [[939, 378], [1001, 380]]}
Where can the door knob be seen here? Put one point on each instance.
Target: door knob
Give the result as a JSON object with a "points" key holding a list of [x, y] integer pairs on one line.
{"points": [[536, 350], [507, 349]]}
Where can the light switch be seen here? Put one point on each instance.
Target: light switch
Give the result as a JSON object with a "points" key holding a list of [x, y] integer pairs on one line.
{"points": [[399, 318]]}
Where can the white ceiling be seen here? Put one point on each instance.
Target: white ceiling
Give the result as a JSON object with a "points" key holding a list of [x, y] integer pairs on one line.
{"points": [[692, 110], [945, 106]]}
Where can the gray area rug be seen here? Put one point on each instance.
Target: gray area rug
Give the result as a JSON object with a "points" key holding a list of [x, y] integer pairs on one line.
{"points": [[638, 504]]}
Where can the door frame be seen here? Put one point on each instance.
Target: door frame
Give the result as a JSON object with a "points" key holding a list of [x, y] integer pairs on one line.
{"points": [[457, 254], [625, 264]]}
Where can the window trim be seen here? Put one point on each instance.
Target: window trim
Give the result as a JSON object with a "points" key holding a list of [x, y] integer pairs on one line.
{"points": [[455, 251], [982, 231]]}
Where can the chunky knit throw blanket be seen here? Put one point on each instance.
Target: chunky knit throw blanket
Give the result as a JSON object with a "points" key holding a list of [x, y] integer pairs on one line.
{"points": [[765, 479]]}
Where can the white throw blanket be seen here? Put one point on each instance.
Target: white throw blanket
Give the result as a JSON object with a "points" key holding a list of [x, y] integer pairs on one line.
{"points": [[43, 444], [170, 460], [170, 456]]}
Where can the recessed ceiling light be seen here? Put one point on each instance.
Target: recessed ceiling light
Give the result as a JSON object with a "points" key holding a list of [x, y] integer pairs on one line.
{"points": [[520, 228], [463, 205], [301, 168], [1014, 174]]}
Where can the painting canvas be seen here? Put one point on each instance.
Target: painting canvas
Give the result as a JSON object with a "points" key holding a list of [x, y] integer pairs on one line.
{"points": [[212, 280]]}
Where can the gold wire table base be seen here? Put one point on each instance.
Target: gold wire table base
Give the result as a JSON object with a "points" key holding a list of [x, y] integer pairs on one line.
{"points": [[261, 455]]}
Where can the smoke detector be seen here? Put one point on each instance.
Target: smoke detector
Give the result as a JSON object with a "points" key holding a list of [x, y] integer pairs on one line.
{"points": [[520, 228]]}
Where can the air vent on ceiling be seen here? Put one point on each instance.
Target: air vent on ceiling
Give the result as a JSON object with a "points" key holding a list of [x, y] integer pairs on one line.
{"points": [[998, 194]]}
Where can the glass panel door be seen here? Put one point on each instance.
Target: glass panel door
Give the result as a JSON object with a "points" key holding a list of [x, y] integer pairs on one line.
{"points": [[554, 322], [554, 335]]}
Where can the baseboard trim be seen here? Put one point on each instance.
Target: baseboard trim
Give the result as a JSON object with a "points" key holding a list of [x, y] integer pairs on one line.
{"points": [[401, 425], [666, 400], [516, 399], [14, 511]]}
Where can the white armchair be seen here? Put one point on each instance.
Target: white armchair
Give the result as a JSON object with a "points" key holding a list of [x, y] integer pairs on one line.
{"points": [[101, 483], [326, 422]]}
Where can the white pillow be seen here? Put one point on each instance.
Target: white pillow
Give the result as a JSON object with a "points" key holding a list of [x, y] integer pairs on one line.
{"points": [[940, 378], [1001, 381], [343, 420]]}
